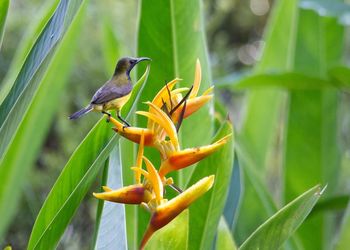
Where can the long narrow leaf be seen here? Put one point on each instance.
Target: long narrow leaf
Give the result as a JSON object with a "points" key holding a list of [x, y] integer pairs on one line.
{"points": [[277, 229], [311, 135], [21, 153], [27, 41], [76, 178], [17, 101]]}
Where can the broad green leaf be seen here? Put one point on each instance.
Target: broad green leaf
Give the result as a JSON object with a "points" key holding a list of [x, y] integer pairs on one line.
{"points": [[32, 33], [112, 227], [172, 236], [76, 179], [224, 239], [342, 242], [206, 212], [172, 34], [16, 103], [283, 80], [312, 121], [278, 228], [21, 153], [4, 6]]}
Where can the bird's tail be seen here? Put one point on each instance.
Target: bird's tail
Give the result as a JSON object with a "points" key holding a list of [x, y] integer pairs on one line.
{"points": [[81, 112]]}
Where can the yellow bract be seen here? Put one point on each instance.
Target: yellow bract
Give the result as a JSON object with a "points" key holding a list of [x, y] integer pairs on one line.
{"points": [[166, 112]]}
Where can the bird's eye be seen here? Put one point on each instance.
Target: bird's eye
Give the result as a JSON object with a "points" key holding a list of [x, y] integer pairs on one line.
{"points": [[132, 61]]}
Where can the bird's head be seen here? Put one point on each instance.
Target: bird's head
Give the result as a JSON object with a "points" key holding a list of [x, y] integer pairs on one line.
{"points": [[126, 64]]}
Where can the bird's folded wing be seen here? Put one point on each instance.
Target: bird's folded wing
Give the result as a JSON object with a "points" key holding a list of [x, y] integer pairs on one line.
{"points": [[110, 92]]}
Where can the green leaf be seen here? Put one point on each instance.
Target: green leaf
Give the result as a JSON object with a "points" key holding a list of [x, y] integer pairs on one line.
{"points": [[206, 212], [21, 153], [100, 203], [224, 237], [76, 179], [4, 6], [112, 224], [312, 121], [16, 103], [278, 228], [32, 33], [172, 236]]}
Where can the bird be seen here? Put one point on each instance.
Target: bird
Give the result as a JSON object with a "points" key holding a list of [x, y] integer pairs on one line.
{"points": [[115, 92]]}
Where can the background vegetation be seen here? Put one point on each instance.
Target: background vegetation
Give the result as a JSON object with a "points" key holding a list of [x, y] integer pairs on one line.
{"points": [[280, 70]]}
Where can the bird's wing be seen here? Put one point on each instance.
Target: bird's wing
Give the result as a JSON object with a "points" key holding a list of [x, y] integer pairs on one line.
{"points": [[110, 92]]}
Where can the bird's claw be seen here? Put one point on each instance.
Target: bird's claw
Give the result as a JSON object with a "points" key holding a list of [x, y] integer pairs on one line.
{"points": [[126, 126]]}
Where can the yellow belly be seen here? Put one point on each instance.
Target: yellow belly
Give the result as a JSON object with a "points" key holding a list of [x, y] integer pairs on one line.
{"points": [[115, 104]]}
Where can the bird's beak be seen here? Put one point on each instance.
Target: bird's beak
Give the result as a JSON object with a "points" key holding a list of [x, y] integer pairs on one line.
{"points": [[140, 59]]}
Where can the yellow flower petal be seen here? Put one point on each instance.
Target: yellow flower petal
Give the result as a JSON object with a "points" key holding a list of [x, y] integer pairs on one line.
{"points": [[154, 178], [133, 194], [139, 158], [181, 159]]}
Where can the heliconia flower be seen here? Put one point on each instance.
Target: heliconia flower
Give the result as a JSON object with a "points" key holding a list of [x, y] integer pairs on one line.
{"points": [[166, 212], [177, 160]]}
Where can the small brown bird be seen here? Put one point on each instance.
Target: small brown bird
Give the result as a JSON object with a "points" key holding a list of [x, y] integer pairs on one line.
{"points": [[115, 92]]}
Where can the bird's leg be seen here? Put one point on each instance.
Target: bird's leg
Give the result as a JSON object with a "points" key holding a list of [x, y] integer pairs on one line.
{"points": [[108, 114], [126, 124]]}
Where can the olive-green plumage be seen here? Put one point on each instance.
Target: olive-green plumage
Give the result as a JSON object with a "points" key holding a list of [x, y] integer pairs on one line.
{"points": [[115, 92]]}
